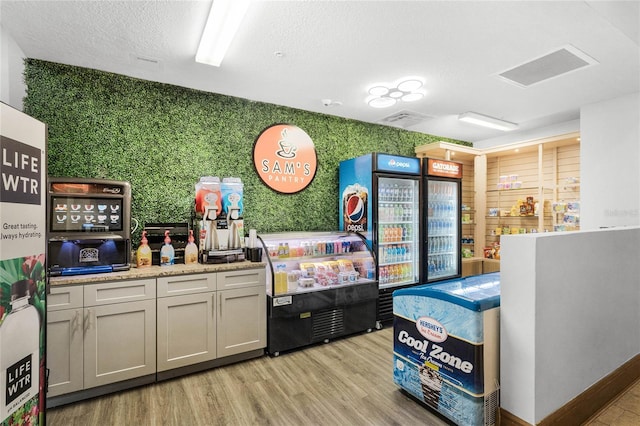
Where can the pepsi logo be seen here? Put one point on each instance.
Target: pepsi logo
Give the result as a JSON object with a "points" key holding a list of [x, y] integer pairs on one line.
{"points": [[355, 208]]}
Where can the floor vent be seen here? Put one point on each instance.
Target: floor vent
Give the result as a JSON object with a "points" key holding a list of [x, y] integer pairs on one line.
{"points": [[491, 406], [385, 306], [551, 65], [327, 324]]}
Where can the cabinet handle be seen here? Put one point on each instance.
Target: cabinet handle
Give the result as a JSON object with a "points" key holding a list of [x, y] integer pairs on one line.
{"points": [[87, 320], [220, 308], [75, 321], [213, 305]]}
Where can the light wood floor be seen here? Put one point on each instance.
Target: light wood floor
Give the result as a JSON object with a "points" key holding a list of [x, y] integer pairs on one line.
{"points": [[346, 382], [624, 410]]}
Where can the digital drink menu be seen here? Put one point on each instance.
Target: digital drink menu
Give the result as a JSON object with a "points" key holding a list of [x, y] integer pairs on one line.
{"points": [[85, 214]]}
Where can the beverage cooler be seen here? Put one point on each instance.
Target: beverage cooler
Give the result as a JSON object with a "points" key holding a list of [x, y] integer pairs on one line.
{"points": [[380, 199], [320, 286], [442, 221], [447, 345]]}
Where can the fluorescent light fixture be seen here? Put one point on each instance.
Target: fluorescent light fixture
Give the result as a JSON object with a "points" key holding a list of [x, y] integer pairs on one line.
{"points": [[224, 20], [486, 121]]}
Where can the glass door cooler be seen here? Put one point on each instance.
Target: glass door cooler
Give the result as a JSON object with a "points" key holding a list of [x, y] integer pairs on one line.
{"points": [[442, 221], [380, 199], [320, 285]]}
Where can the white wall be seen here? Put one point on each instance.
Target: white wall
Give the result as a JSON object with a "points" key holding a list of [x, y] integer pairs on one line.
{"points": [[570, 315], [610, 163], [563, 128], [12, 87]]}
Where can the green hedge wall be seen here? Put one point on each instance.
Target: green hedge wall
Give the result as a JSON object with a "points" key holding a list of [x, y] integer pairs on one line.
{"points": [[163, 138]]}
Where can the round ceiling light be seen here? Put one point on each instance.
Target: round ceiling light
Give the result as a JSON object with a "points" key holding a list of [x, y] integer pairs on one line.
{"points": [[382, 102], [410, 85], [412, 97], [378, 91]]}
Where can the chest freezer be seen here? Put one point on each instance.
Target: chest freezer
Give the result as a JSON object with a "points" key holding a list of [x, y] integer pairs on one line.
{"points": [[446, 347]]}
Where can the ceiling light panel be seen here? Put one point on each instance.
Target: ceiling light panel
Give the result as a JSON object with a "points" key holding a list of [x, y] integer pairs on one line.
{"points": [[225, 17], [487, 121]]}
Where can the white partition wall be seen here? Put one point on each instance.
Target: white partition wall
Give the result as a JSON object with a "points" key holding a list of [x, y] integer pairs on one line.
{"points": [[570, 315], [610, 163]]}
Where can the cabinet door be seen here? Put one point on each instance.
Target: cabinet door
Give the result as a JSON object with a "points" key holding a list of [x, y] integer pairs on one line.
{"points": [[185, 284], [242, 320], [64, 351], [64, 297], [186, 330], [119, 342], [119, 292], [229, 280]]}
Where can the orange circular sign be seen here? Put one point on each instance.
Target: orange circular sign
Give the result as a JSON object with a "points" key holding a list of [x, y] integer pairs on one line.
{"points": [[285, 158]]}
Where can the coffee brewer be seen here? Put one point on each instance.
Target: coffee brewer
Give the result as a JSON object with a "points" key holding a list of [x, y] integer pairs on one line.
{"points": [[88, 226]]}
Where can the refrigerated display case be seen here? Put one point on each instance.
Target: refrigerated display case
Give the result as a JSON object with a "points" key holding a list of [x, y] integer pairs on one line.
{"points": [[442, 223], [320, 286], [380, 199]]}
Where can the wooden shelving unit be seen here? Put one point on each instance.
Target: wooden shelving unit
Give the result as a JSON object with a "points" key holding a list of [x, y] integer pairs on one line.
{"points": [[546, 170]]}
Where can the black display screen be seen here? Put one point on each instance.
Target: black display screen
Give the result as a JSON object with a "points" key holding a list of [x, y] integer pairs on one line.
{"points": [[85, 214]]}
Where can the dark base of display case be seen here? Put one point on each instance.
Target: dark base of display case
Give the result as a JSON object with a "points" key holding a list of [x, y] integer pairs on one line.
{"points": [[384, 315], [314, 317]]}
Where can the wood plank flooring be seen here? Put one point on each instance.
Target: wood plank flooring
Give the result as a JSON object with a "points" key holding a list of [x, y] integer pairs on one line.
{"points": [[345, 382]]}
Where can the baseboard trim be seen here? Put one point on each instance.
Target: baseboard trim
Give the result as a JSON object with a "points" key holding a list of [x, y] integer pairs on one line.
{"points": [[589, 402]]}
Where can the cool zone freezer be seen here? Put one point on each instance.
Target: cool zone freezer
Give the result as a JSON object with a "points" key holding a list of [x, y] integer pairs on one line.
{"points": [[446, 347]]}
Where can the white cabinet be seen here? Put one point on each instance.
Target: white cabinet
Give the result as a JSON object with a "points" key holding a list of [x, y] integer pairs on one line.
{"points": [[64, 340], [186, 325], [196, 323], [242, 312], [100, 334], [113, 332], [120, 331]]}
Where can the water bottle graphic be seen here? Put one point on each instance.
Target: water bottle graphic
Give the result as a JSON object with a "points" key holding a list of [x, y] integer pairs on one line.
{"points": [[19, 351]]}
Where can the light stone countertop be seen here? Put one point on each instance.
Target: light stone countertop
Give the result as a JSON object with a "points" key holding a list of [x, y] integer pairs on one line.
{"points": [[153, 272]]}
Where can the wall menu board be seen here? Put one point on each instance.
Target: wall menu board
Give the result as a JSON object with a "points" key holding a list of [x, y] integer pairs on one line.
{"points": [[85, 214]]}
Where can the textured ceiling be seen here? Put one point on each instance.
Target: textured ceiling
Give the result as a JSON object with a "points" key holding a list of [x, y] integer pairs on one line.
{"points": [[336, 49]]}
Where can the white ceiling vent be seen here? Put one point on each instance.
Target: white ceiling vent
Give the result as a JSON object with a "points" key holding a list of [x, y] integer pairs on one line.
{"points": [[404, 119], [552, 65]]}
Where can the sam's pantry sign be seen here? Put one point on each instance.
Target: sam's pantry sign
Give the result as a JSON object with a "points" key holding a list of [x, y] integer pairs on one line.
{"points": [[285, 158]]}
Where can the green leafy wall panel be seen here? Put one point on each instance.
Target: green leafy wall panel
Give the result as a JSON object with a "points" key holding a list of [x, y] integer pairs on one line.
{"points": [[163, 138]]}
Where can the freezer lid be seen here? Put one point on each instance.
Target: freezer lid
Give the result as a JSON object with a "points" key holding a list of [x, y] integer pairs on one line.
{"points": [[477, 293]]}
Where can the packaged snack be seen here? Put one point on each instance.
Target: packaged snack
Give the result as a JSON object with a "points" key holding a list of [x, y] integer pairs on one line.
{"points": [[332, 265], [307, 269], [292, 279], [306, 282], [345, 265]]}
